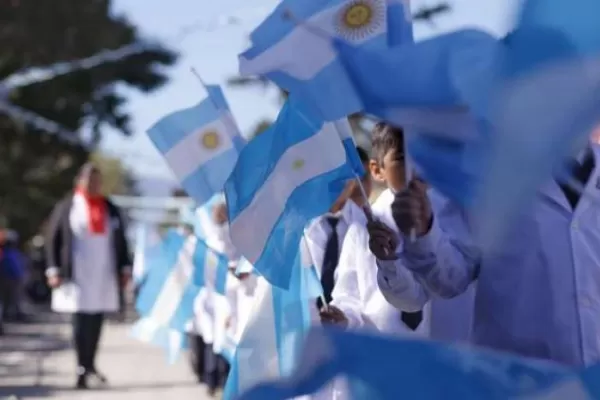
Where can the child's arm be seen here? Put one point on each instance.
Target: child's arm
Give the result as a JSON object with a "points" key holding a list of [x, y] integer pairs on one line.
{"points": [[445, 260]]}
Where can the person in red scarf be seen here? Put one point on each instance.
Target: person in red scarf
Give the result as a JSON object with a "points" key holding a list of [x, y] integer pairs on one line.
{"points": [[88, 265]]}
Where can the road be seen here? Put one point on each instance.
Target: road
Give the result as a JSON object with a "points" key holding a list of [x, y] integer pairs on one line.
{"points": [[36, 362]]}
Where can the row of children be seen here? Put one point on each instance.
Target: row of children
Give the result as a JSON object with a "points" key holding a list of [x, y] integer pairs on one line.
{"points": [[408, 264]]}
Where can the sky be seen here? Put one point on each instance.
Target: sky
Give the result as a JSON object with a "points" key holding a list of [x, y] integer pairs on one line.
{"points": [[212, 49]]}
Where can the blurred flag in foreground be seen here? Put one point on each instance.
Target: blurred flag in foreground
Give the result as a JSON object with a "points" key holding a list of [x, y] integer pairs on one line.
{"points": [[545, 107], [286, 176], [200, 144], [272, 340], [381, 368], [315, 74]]}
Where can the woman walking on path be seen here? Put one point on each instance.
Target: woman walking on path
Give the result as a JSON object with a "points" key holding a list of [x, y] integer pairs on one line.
{"points": [[89, 264]]}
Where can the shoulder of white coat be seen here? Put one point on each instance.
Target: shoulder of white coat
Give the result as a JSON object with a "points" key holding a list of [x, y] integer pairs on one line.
{"points": [[356, 237], [312, 225], [383, 201]]}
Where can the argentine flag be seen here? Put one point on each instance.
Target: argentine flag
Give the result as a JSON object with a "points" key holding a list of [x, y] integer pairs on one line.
{"points": [[201, 217], [315, 74], [166, 299], [201, 144], [286, 176], [270, 345]]}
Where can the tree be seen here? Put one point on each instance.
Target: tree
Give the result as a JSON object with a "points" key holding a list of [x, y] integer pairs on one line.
{"points": [[117, 179], [37, 169]]}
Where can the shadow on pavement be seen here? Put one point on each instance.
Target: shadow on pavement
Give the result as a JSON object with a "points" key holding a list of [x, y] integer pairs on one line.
{"points": [[49, 391]]}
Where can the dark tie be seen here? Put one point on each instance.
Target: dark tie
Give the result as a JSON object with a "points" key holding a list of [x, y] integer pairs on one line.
{"points": [[412, 319], [581, 173], [330, 261]]}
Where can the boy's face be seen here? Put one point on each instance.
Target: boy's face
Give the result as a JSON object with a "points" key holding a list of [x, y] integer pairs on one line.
{"points": [[390, 171]]}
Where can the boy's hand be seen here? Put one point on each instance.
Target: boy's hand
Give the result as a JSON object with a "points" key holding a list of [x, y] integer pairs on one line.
{"points": [[382, 240], [331, 315], [411, 209]]}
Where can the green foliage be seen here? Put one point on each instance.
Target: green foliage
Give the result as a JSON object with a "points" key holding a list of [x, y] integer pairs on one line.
{"points": [[37, 169], [116, 178]]}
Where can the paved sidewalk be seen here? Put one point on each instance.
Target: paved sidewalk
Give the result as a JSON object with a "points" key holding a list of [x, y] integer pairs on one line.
{"points": [[36, 362]]}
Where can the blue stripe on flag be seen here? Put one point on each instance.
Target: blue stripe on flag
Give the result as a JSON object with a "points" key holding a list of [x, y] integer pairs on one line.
{"points": [[372, 361]]}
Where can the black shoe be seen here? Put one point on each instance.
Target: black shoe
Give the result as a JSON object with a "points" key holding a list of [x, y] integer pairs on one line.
{"points": [[81, 382], [100, 377]]}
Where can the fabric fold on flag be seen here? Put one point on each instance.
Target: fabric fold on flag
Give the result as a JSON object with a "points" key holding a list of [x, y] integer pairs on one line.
{"points": [[316, 75], [432, 370], [430, 86], [200, 144], [286, 176], [271, 343]]}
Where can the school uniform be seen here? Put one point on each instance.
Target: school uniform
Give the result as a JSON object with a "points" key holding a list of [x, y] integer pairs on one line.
{"points": [[357, 294], [538, 295], [324, 237], [450, 319], [87, 248], [212, 311]]}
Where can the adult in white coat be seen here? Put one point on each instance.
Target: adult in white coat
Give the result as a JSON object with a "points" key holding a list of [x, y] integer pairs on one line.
{"points": [[89, 263]]}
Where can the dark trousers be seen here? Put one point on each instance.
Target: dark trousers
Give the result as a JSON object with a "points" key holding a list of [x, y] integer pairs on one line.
{"points": [[196, 353], [216, 368], [86, 336]]}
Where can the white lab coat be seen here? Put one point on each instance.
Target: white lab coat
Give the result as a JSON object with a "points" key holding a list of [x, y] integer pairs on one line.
{"points": [[316, 234], [450, 319], [356, 291], [94, 288]]}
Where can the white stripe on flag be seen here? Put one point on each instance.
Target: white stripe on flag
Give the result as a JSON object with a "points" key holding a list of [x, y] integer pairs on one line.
{"points": [[319, 154], [197, 148], [314, 35], [257, 355], [172, 290]]}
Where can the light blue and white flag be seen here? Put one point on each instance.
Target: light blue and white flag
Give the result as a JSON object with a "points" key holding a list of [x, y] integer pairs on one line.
{"points": [[286, 176], [201, 217], [272, 340], [382, 368], [201, 144], [166, 299], [315, 74], [148, 331], [139, 260]]}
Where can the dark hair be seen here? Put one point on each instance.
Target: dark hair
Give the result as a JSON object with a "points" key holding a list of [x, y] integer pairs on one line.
{"points": [[362, 154], [384, 138]]}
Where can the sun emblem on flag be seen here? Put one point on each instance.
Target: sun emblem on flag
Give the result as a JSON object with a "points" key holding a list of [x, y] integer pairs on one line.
{"points": [[298, 164], [210, 140], [359, 19]]}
